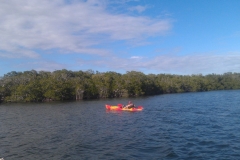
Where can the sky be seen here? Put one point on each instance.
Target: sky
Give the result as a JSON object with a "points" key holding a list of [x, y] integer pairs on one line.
{"points": [[181, 37]]}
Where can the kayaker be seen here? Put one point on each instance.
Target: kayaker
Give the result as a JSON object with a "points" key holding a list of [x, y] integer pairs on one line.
{"points": [[129, 105]]}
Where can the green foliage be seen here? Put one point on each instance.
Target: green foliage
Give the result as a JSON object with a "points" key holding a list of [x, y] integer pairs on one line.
{"points": [[32, 86]]}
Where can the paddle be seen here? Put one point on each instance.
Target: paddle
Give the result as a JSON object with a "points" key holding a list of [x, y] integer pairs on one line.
{"points": [[120, 105], [140, 107]]}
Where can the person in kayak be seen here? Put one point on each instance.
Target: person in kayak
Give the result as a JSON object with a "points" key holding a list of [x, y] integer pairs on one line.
{"points": [[129, 105]]}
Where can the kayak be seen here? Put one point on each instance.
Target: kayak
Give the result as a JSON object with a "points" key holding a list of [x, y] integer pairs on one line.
{"points": [[120, 108]]}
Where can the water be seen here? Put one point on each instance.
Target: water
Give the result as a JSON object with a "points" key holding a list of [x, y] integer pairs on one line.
{"points": [[202, 125]]}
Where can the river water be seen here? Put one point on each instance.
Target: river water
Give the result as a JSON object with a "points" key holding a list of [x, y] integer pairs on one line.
{"points": [[203, 125]]}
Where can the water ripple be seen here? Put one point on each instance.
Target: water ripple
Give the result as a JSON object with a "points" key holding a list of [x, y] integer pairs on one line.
{"points": [[176, 126]]}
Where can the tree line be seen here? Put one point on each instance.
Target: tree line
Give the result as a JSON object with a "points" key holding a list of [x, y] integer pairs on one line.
{"points": [[33, 86]]}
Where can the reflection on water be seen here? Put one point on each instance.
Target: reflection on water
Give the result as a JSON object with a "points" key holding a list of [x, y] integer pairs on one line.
{"points": [[176, 126]]}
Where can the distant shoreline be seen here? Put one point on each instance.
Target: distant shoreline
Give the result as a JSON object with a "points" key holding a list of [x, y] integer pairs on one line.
{"points": [[65, 85]]}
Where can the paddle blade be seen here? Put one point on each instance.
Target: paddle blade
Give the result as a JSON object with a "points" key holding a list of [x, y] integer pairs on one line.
{"points": [[120, 105], [140, 107], [108, 106]]}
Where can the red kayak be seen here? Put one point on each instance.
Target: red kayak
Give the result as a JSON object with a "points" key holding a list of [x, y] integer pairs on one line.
{"points": [[120, 108]]}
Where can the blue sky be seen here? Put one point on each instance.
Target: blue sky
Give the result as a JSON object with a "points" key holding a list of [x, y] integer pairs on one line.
{"points": [[152, 36]]}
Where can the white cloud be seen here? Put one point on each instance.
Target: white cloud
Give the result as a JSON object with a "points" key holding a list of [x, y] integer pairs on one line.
{"points": [[77, 27], [138, 8], [136, 57], [42, 65], [174, 64], [18, 53], [190, 64]]}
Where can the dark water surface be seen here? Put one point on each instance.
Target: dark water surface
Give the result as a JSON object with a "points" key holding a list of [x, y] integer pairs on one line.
{"points": [[202, 125]]}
